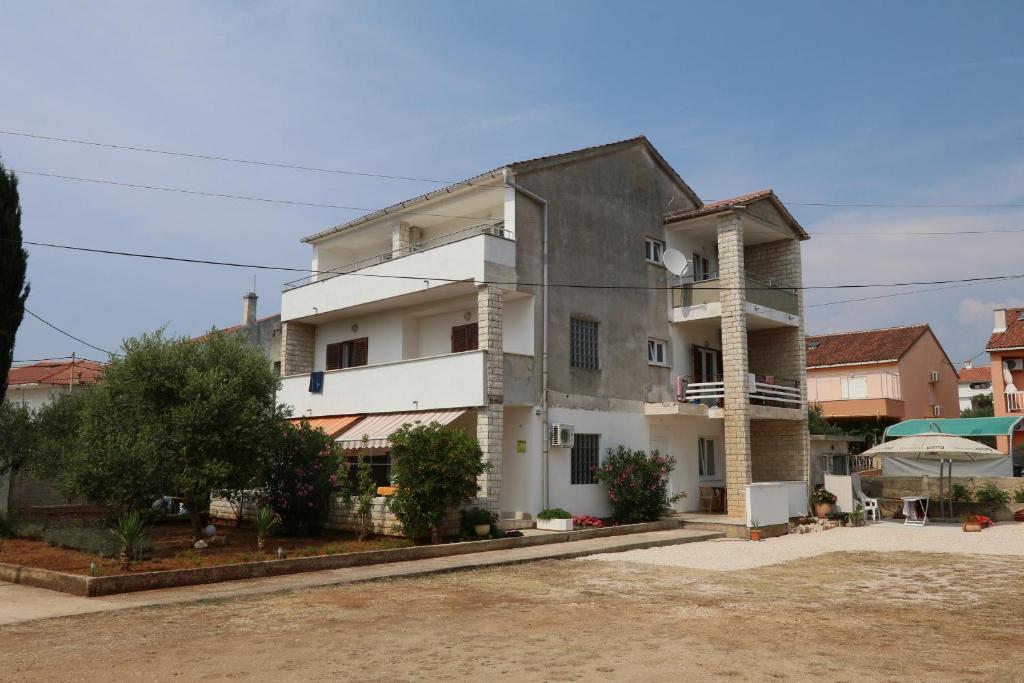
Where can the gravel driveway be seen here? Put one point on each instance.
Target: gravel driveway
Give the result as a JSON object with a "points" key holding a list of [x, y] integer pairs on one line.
{"points": [[1005, 539]]}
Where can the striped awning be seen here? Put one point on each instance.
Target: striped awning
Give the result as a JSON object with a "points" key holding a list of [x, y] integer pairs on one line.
{"points": [[378, 427], [333, 425]]}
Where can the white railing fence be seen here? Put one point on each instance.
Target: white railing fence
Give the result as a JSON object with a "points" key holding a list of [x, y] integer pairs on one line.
{"points": [[1014, 401]]}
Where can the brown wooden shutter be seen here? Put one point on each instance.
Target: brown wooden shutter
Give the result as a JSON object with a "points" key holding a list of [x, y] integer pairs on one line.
{"points": [[465, 338], [333, 356], [473, 337], [360, 351]]}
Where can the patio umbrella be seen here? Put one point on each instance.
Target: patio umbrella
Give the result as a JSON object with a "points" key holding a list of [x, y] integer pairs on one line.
{"points": [[946, 448]]}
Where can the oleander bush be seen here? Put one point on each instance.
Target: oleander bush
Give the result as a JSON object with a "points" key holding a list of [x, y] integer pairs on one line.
{"points": [[637, 484]]}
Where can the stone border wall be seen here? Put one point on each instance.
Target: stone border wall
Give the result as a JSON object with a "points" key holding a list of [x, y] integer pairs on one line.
{"points": [[890, 489]]}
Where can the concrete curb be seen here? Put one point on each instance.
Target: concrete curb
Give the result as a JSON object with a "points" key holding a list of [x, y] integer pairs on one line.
{"points": [[93, 586]]}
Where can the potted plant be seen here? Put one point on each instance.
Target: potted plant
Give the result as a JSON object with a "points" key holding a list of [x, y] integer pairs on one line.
{"points": [[992, 497], [554, 519], [856, 518], [823, 500], [479, 520], [755, 530]]}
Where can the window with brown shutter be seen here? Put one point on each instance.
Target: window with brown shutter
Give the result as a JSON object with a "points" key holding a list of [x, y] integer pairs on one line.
{"points": [[465, 338], [350, 354]]}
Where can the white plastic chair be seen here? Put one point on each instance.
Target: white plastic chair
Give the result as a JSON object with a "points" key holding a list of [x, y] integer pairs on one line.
{"points": [[871, 509]]}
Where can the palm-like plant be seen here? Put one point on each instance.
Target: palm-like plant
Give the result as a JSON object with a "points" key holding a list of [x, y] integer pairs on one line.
{"points": [[130, 532], [265, 521]]}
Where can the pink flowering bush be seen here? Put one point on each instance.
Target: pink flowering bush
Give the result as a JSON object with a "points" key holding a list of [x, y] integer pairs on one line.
{"points": [[586, 522], [301, 478], [637, 484]]}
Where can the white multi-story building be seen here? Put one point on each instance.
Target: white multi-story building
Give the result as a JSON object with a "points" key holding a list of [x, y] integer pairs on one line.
{"points": [[530, 305]]}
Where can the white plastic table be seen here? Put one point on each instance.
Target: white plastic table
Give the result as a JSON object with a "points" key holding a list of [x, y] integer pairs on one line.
{"points": [[911, 512]]}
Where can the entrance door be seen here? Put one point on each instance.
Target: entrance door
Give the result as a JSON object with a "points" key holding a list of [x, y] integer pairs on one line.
{"points": [[707, 364]]}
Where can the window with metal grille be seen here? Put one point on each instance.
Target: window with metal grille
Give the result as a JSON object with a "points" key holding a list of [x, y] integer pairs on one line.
{"points": [[585, 457], [583, 346]]}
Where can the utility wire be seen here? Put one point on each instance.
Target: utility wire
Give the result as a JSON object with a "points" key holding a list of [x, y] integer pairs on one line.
{"points": [[887, 296], [427, 278], [68, 334], [436, 181]]}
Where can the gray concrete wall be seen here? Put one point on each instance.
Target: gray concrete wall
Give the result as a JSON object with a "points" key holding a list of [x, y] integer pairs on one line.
{"points": [[600, 211]]}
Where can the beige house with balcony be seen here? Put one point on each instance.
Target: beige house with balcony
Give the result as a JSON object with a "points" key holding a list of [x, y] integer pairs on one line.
{"points": [[530, 305]]}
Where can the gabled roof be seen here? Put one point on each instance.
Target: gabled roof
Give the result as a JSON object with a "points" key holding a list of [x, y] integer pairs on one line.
{"points": [[739, 202], [975, 374], [56, 372], [865, 346], [518, 167], [1013, 337]]}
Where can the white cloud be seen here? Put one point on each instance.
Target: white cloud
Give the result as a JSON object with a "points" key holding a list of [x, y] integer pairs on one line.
{"points": [[972, 310]]}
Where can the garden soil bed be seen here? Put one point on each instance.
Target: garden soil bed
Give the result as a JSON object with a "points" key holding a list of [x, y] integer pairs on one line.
{"points": [[173, 550]]}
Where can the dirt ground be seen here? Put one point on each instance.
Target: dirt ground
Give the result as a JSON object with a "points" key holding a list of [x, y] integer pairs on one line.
{"points": [[837, 617], [172, 549]]}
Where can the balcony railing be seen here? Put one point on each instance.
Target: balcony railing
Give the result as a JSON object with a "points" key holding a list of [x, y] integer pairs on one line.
{"points": [[868, 385], [762, 291], [774, 391], [494, 229], [1015, 401], [762, 390]]}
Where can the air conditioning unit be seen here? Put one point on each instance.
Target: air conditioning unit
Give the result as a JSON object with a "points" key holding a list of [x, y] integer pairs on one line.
{"points": [[937, 410], [1012, 364], [934, 377], [562, 435]]}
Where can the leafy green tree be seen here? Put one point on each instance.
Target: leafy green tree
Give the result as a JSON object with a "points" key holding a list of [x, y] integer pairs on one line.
{"points": [[981, 406], [172, 417], [434, 469], [817, 424], [300, 477], [16, 436], [13, 265], [637, 484]]}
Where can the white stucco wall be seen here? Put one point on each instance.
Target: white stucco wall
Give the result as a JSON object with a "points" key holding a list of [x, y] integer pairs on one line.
{"points": [[382, 330], [521, 472], [682, 434], [434, 333], [34, 396], [518, 326]]}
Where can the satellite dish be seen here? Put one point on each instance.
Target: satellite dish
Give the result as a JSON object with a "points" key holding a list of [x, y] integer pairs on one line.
{"points": [[675, 262]]}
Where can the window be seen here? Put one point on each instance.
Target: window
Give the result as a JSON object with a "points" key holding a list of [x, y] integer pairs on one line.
{"points": [[702, 268], [706, 364], [706, 458], [855, 387], [583, 348], [380, 468], [981, 385], [656, 352], [653, 250], [465, 338], [584, 459], [350, 354], [840, 465]]}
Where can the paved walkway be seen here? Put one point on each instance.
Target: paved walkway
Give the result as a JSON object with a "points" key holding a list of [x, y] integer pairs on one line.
{"points": [[24, 603]]}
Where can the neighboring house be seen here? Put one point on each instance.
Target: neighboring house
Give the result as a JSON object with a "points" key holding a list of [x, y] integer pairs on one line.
{"points": [[974, 382], [34, 386], [1006, 359], [887, 375], [830, 454], [263, 333], [464, 306]]}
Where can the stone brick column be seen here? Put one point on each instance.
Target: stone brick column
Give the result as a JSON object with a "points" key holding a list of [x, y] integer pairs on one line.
{"points": [[401, 240], [490, 418], [297, 348], [734, 362]]}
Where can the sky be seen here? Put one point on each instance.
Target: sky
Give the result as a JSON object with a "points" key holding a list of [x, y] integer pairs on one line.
{"points": [[848, 103]]}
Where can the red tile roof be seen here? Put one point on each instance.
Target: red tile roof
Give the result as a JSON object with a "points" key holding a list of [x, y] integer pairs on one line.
{"points": [[1013, 337], [976, 374], [56, 372], [865, 346], [740, 201]]}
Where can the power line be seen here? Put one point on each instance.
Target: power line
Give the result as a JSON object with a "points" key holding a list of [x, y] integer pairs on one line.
{"points": [[920, 233], [427, 278], [69, 335], [887, 296]]}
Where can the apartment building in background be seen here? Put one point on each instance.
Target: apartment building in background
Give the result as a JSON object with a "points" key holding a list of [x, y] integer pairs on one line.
{"points": [[530, 306], [888, 375], [1006, 359]]}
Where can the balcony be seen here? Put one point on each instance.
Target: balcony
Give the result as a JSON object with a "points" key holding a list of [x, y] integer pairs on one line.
{"points": [[458, 256], [450, 381], [870, 395], [765, 300], [766, 395], [1015, 401]]}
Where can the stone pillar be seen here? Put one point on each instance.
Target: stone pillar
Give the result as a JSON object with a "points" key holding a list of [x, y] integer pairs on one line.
{"points": [[401, 240], [734, 362], [491, 418], [297, 341]]}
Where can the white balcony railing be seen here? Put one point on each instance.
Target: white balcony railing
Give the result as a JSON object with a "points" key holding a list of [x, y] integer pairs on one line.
{"points": [[701, 391], [772, 393], [1015, 401], [762, 390], [450, 381]]}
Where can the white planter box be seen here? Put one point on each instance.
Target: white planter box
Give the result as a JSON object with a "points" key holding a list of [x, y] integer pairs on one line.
{"points": [[554, 524]]}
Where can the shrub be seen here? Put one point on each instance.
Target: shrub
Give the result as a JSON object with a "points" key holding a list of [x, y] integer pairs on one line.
{"points": [[553, 513], [434, 468], [637, 484], [6, 527], [90, 538], [990, 493], [1018, 495], [301, 478], [130, 533], [469, 518], [264, 523], [961, 493], [823, 496], [365, 491]]}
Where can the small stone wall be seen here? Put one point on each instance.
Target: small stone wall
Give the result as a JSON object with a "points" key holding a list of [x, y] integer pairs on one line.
{"points": [[890, 489]]}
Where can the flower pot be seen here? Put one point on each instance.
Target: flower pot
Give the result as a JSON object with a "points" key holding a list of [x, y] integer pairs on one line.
{"points": [[822, 509], [482, 529], [1018, 516], [385, 490], [756, 534], [555, 524], [972, 526]]}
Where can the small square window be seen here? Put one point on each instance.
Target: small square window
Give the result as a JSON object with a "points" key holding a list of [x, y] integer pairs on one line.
{"points": [[656, 354], [583, 344], [653, 250]]}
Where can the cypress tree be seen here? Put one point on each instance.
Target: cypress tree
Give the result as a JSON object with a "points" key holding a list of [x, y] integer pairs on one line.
{"points": [[13, 265]]}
